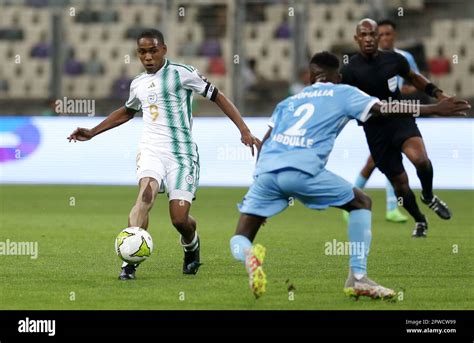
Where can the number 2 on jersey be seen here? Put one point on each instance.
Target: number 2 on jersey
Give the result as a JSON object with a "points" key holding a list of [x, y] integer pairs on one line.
{"points": [[296, 129], [154, 112]]}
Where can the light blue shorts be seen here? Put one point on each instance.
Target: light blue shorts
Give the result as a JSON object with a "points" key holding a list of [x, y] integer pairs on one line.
{"points": [[272, 192]]}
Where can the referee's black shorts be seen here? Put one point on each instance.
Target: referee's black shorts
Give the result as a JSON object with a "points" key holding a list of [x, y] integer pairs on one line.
{"points": [[385, 138]]}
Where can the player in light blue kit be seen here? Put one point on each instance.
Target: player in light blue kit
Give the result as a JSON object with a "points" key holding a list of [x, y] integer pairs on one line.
{"points": [[291, 163]]}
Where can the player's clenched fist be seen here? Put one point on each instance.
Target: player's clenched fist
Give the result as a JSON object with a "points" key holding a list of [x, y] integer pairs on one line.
{"points": [[81, 134]]}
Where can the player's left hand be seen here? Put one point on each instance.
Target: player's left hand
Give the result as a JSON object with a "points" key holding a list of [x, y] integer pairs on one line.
{"points": [[250, 140]]}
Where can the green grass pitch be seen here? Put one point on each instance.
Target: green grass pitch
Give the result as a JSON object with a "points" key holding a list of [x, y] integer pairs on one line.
{"points": [[77, 267]]}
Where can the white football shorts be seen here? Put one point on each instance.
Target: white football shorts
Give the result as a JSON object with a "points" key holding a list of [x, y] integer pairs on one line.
{"points": [[176, 173]]}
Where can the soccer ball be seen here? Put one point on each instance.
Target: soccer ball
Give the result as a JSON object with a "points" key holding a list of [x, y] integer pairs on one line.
{"points": [[133, 245]]}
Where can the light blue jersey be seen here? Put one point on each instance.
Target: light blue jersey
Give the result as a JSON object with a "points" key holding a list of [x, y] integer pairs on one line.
{"points": [[305, 126], [411, 62], [291, 162]]}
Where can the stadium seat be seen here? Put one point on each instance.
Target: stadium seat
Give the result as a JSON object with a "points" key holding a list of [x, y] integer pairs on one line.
{"points": [[431, 47], [467, 86], [317, 13], [275, 12], [442, 29], [447, 81], [7, 15], [16, 88], [39, 88], [253, 48]]}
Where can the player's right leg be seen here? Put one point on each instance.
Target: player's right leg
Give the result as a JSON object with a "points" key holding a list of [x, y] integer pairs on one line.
{"points": [[389, 161], [362, 179], [328, 189], [403, 191], [146, 197], [150, 172], [251, 255], [415, 150], [360, 235], [148, 188], [264, 199]]}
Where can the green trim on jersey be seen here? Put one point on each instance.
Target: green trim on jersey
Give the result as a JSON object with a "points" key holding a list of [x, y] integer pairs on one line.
{"points": [[189, 94], [182, 116], [185, 129], [170, 121], [187, 67]]}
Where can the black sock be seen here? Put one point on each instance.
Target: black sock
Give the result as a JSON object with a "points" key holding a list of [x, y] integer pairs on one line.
{"points": [[409, 202], [425, 174]]}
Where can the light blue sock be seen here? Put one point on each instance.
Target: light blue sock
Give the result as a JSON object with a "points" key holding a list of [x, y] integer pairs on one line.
{"points": [[238, 246], [391, 197], [360, 235], [360, 182]]}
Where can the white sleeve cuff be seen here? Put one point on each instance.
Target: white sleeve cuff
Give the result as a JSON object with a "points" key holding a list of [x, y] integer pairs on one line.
{"points": [[365, 115]]}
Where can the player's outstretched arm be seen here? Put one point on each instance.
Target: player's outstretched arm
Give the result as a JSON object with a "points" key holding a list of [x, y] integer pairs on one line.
{"points": [[424, 85], [114, 119], [233, 113], [448, 107]]}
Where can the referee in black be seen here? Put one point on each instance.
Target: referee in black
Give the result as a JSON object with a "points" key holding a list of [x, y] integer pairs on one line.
{"points": [[375, 72]]}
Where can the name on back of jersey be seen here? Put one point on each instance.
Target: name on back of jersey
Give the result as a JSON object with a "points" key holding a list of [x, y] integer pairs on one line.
{"points": [[318, 92], [293, 141]]}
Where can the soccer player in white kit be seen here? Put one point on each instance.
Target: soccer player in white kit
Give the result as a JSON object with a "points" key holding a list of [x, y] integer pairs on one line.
{"points": [[167, 158]]}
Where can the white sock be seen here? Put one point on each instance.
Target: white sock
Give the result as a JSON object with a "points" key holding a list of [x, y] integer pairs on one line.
{"points": [[190, 246]]}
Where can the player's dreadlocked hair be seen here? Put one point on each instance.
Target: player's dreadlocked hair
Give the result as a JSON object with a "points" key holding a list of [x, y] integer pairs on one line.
{"points": [[325, 60], [152, 33]]}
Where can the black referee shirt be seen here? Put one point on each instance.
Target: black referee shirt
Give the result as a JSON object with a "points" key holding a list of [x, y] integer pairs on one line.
{"points": [[377, 75]]}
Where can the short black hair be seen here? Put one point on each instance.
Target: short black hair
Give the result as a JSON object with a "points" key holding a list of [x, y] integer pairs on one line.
{"points": [[387, 22], [325, 60], [152, 33]]}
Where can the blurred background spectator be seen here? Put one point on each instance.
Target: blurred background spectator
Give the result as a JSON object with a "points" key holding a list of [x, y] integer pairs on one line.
{"points": [[252, 50]]}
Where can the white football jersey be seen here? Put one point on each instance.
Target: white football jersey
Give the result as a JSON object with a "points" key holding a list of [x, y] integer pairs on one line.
{"points": [[165, 99]]}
